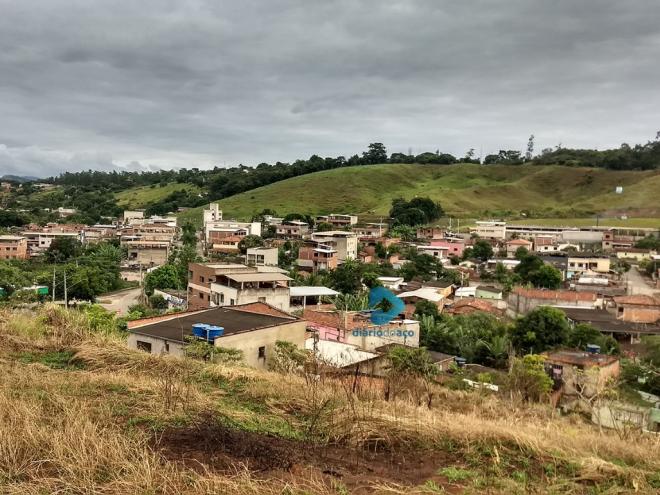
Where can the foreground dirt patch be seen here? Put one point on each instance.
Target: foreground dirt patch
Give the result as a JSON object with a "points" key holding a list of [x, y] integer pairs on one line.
{"points": [[213, 446]]}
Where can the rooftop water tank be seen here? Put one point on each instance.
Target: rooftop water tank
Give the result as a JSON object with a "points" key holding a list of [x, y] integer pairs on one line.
{"points": [[593, 349], [214, 332], [460, 362], [199, 330]]}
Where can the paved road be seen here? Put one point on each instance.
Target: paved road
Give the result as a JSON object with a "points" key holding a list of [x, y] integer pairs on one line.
{"points": [[638, 284], [119, 302]]}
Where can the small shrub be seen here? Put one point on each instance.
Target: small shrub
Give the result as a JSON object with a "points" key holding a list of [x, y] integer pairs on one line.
{"points": [[454, 474]]}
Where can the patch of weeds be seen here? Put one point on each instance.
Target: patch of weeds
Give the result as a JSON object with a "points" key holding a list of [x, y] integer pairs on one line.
{"points": [[447, 444], [158, 424], [433, 487], [454, 474], [340, 488], [59, 360], [116, 388], [654, 480], [519, 476], [550, 470], [269, 425]]}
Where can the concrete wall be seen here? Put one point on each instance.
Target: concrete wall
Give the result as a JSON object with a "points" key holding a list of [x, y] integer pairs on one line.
{"points": [[592, 379], [582, 236], [280, 297], [158, 346], [639, 314], [250, 342], [620, 416], [261, 257], [147, 256], [519, 305]]}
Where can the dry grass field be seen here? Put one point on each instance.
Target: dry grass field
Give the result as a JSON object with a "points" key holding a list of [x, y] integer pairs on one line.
{"points": [[80, 413]]}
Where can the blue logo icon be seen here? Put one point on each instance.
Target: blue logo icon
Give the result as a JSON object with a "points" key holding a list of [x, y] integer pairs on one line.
{"points": [[385, 305]]}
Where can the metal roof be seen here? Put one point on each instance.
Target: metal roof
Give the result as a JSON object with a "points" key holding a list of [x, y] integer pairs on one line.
{"points": [[257, 277], [309, 290]]}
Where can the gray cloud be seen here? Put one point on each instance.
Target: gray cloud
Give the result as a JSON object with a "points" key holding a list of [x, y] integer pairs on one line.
{"points": [[93, 84]]}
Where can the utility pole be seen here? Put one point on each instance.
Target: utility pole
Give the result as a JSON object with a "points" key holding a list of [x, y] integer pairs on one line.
{"points": [[53, 284], [66, 296]]}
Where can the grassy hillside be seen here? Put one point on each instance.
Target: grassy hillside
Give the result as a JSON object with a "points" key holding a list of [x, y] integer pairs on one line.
{"points": [[139, 197], [464, 190], [81, 413]]}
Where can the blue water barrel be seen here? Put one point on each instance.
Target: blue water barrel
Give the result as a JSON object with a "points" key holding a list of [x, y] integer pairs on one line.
{"points": [[593, 349], [214, 332], [460, 361], [199, 330]]}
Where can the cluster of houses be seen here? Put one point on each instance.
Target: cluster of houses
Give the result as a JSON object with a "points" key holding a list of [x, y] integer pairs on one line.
{"points": [[255, 304], [148, 240]]}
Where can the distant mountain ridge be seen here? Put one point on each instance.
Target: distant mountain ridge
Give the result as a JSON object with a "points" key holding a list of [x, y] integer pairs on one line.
{"points": [[18, 178]]}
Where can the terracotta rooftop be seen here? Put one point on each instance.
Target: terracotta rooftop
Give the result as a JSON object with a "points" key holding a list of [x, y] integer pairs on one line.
{"points": [[556, 295], [581, 358], [640, 300], [469, 304]]}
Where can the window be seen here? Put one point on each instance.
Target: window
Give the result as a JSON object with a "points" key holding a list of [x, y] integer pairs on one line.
{"points": [[144, 346], [201, 279], [232, 302], [201, 295], [262, 352], [222, 298], [167, 347]]}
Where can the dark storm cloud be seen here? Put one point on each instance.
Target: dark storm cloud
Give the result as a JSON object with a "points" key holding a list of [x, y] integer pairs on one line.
{"points": [[93, 84]]}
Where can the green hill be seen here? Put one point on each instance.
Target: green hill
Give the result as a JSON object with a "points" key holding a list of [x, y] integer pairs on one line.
{"points": [[140, 197], [464, 190]]}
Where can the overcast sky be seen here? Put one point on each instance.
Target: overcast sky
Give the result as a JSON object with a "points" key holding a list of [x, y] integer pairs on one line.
{"points": [[100, 84]]}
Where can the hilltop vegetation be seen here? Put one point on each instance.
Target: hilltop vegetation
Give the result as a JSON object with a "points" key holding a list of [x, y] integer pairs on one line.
{"points": [[101, 194], [81, 413], [464, 190]]}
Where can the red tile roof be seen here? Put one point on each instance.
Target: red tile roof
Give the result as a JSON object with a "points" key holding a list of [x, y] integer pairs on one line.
{"points": [[559, 295], [641, 300], [469, 305]]}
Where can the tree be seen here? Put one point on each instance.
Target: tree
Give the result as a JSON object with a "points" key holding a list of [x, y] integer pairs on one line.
{"points": [[12, 278], [532, 270], [529, 378], [528, 265], [482, 250], [404, 232], [411, 361], [287, 357], [426, 308], [417, 211], [324, 227], [347, 278], [248, 242], [63, 249], [530, 149], [583, 334], [542, 329], [157, 301], [163, 277], [189, 234], [547, 277], [376, 154], [521, 253], [478, 337]]}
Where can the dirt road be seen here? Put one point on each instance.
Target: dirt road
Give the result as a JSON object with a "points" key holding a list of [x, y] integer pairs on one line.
{"points": [[119, 302]]}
